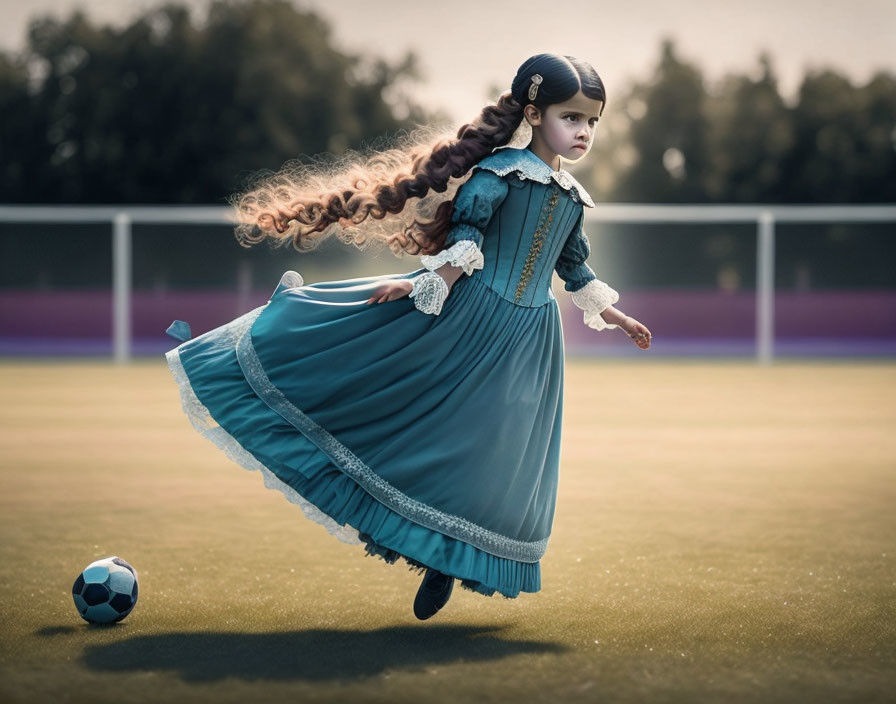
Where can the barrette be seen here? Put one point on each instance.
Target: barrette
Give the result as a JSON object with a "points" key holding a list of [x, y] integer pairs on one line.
{"points": [[533, 89]]}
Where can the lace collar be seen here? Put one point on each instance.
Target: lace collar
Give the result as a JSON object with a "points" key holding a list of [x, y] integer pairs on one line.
{"points": [[527, 165]]}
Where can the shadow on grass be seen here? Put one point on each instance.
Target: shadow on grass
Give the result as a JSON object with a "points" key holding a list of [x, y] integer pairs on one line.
{"points": [[316, 655]]}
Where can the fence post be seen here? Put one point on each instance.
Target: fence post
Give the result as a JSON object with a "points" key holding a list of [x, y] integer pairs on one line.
{"points": [[121, 287], [765, 288]]}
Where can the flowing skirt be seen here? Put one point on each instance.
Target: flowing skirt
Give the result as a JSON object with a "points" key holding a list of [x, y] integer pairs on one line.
{"points": [[431, 438]]}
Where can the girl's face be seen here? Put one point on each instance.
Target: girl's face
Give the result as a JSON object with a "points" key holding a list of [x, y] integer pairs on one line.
{"points": [[568, 128]]}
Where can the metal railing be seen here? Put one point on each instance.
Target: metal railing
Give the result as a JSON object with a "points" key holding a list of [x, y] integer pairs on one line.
{"points": [[764, 217]]}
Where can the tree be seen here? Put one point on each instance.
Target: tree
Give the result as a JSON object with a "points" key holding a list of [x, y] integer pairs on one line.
{"points": [[668, 135], [668, 140], [166, 110], [844, 150], [750, 135]]}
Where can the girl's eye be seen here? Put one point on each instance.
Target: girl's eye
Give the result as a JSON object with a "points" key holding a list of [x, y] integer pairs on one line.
{"points": [[575, 118]]}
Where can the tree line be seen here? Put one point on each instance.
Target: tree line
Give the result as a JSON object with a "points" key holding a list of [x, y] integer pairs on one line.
{"points": [[175, 109]]}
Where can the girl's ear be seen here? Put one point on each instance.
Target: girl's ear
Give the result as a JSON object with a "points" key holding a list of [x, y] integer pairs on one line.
{"points": [[532, 114]]}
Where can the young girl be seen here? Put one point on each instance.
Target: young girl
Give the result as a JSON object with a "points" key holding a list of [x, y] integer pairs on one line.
{"points": [[419, 414]]}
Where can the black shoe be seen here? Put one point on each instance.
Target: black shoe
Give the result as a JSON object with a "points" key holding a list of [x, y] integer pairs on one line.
{"points": [[433, 594]]}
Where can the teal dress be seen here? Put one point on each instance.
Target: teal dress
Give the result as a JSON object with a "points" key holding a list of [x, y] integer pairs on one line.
{"points": [[428, 427]]}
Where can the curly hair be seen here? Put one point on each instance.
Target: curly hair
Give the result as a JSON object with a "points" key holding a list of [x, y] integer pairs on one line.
{"points": [[303, 204]]}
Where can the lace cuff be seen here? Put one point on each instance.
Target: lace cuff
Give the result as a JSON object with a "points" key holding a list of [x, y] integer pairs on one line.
{"points": [[463, 253], [595, 297], [429, 292]]}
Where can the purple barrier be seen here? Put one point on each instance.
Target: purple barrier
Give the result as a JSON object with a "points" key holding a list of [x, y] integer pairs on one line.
{"points": [[681, 321], [695, 314]]}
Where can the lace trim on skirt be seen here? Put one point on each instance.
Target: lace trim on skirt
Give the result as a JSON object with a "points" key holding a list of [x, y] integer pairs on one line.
{"points": [[205, 425], [427, 516]]}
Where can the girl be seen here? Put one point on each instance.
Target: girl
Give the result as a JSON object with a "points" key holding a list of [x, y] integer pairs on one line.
{"points": [[419, 414]]}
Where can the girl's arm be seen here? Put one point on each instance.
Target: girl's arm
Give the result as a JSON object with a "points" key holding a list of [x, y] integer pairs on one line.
{"points": [[591, 294], [393, 290], [475, 203], [449, 273], [587, 291], [633, 328], [613, 316], [430, 289]]}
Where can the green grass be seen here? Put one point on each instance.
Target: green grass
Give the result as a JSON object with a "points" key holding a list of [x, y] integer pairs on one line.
{"points": [[724, 532]]}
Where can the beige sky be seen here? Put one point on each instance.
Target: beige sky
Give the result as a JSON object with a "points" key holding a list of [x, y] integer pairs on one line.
{"points": [[467, 45]]}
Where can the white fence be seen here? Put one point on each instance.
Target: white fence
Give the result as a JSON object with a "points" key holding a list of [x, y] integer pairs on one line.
{"points": [[121, 218]]}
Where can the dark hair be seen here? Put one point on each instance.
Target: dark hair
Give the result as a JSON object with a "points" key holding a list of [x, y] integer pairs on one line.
{"points": [[305, 204], [562, 77]]}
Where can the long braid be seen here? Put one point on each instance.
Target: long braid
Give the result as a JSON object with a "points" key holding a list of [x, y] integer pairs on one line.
{"points": [[298, 206]]}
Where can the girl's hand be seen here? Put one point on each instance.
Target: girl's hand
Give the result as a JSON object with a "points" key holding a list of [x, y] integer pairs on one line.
{"points": [[391, 291], [637, 331]]}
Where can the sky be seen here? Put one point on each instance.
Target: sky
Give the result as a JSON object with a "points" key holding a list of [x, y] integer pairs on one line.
{"points": [[467, 47]]}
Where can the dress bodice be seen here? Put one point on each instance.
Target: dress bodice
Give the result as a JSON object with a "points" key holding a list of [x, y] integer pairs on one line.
{"points": [[533, 211], [515, 221], [522, 243]]}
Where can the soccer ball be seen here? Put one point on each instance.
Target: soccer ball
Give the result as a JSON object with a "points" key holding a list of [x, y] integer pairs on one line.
{"points": [[106, 591]]}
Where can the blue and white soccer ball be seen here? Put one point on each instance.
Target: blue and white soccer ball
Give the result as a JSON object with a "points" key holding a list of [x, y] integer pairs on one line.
{"points": [[106, 591]]}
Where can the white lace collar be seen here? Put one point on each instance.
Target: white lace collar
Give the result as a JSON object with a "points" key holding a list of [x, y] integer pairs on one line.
{"points": [[527, 165]]}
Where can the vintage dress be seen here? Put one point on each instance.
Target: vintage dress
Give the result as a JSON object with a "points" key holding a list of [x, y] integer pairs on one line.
{"points": [[426, 427]]}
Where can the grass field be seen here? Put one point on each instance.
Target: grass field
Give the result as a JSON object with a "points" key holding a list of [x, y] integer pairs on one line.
{"points": [[724, 533]]}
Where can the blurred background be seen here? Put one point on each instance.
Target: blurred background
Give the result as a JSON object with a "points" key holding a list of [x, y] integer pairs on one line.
{"points": [[175, 104], [724, 529]]}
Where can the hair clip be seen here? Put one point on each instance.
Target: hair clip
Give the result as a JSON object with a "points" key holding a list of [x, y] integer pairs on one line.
{"points": [[533, 89]]}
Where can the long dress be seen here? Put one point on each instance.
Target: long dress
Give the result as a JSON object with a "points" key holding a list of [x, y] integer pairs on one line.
{"points": [[434, 437]]}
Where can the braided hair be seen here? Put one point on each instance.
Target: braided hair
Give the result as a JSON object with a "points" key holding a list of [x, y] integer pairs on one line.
{"points": [[303, 204]]}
